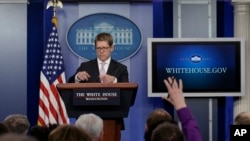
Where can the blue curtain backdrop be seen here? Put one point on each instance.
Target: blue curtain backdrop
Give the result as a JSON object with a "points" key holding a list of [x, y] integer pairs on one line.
{"points": [[39, 26], [35, 47], [163, 18], [163, 28], [225, 28]]}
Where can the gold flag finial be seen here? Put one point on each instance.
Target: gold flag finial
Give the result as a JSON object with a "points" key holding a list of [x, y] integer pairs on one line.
{"points": [[54, 4]]}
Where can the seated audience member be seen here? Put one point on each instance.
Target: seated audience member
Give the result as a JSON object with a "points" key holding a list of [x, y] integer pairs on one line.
{"points": [[242, 118], [154, 118], [41, 133], [175, 96], [17, 123], [16, 137], [167, 131], [93, 124], [68, 132], [4, 129]]}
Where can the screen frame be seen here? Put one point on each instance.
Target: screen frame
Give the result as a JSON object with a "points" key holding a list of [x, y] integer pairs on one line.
{"points": [[196, 94]]}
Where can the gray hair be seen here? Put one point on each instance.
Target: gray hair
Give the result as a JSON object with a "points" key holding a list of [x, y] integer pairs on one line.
{"points": [[17, 123], [91, 123]]}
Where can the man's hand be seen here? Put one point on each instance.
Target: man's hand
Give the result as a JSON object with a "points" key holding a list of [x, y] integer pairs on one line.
{"points": [[83, 76], [107, 78]]}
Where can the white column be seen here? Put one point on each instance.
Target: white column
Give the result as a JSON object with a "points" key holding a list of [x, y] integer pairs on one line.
{"points": [[242, 29]]}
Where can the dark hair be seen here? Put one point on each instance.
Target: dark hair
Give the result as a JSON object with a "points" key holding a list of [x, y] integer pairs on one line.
{"points": [[242, 118], [16, 137], [104, 37], [41, 133], [167, 131], [68, 132], [154, 119], [156, 116], [4, 129], [148, 133]]}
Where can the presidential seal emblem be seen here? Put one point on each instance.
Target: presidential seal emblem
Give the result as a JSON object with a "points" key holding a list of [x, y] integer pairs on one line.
{"points": [[126, 35]]}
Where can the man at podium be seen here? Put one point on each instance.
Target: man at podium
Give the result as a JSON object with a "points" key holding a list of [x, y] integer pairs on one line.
{"points": [[102, 69]]}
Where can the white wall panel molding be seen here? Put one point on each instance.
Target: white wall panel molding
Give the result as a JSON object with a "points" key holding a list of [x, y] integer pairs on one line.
{"points": [[13, 1], [194, 1], [206, 7], [241, 1]]}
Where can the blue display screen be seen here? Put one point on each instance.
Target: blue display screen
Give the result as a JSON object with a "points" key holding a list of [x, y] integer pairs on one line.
{"points": [[203, 66]]}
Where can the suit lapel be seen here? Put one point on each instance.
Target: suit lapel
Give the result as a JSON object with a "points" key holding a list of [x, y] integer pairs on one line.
{"points": [[95, 67], [111, 67]]}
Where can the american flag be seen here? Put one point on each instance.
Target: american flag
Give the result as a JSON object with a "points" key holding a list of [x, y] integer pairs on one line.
{"points": [[51, 106]]}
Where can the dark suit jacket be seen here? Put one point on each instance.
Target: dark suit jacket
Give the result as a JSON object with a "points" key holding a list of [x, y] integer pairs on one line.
{"points": [[115, 69]]}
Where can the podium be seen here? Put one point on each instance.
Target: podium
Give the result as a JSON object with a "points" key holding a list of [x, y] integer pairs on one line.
{"points": [[110, 101]]}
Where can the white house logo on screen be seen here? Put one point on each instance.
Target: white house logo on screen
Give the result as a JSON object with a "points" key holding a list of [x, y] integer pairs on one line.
{"points": [[126, 35], [196, 59]]}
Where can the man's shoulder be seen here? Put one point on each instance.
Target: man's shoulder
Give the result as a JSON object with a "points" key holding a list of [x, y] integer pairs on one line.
{"points": [[117, 63]]}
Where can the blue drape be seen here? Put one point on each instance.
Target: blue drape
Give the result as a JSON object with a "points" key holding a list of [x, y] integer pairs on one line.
{"points": [[225, 28], [35, 43], [163, 28], [162, 18], [39, 25]]}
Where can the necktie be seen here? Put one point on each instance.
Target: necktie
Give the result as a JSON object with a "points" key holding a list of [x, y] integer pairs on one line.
{"points": [[102, 70]]}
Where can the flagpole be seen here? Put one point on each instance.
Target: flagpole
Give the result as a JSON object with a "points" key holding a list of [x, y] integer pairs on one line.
{"points": [[54, 4]]}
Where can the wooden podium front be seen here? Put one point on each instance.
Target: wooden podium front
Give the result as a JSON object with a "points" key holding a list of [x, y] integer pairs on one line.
{"points": [[110, 101]]}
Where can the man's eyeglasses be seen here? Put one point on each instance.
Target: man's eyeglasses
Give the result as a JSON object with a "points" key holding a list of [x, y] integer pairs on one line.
{"points": [[101, 48]]}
